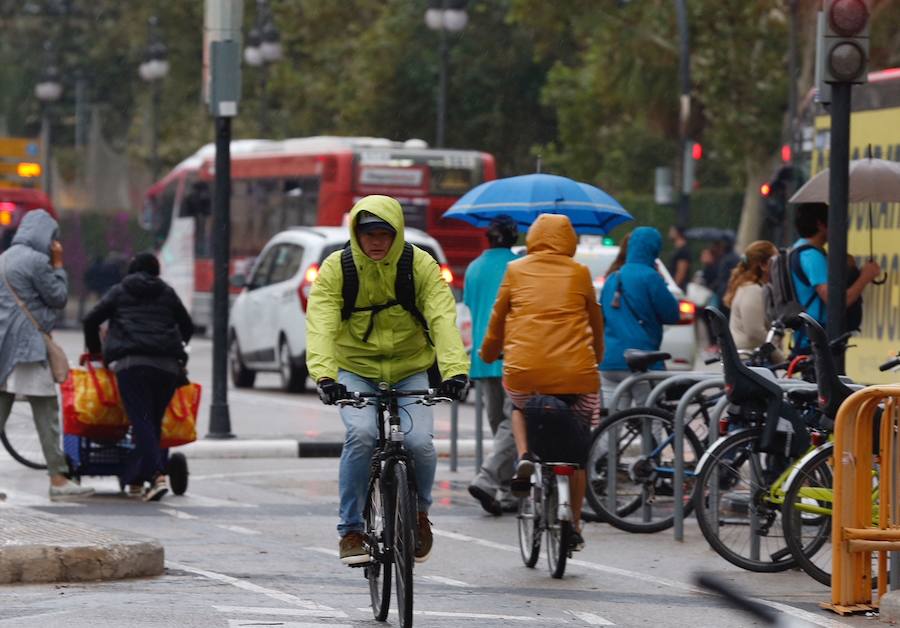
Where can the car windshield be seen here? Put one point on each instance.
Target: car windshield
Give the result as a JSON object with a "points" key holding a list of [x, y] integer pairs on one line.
{"points": [[597, 263]]}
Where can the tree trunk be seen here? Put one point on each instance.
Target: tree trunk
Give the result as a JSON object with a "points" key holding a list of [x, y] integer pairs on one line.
{"points": [[752, 212]]}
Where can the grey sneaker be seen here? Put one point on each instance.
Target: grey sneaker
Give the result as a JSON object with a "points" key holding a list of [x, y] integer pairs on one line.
{"points": [[134, 491], [157, 489], [69, 490]]}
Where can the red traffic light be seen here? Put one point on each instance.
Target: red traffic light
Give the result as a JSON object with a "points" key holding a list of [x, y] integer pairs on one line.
{"points": [[765, 189], [848, 17], [696, 151], [786, 153]]}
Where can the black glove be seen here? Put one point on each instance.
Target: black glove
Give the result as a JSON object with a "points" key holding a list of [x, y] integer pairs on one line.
{"points": [[330, 391], [456, 387]]}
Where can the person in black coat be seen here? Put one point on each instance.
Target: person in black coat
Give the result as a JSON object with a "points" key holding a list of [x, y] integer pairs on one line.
{"points": [[148, 328]]}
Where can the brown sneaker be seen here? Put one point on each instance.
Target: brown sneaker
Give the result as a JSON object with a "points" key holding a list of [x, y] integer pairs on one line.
{"points": [[353, 549], [424, 538]]}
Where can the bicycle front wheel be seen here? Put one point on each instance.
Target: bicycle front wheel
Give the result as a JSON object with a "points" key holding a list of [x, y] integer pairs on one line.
{"points": [[639, 496], [20, 439], [378, 571], [404, 542], [735, 508], [558, 532], [806, 516], [529, 523]]}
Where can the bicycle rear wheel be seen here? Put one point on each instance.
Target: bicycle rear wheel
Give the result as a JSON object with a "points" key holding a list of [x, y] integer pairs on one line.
{"points": [[404, 546], [558, 532], [806, 516], [737, 517], [378, 572], [642, 487], [20, 439], [529, 523]]}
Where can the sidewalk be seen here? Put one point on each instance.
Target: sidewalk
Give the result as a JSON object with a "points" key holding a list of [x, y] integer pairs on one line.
{"points": [[38, 547], [208, 448]]}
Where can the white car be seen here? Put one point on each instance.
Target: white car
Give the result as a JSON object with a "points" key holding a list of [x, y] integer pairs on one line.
{"points": [[678, 340], [267, 326]]}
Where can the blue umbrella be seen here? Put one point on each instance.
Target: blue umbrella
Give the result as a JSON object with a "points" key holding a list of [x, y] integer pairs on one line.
{"points": [[524, 198]]}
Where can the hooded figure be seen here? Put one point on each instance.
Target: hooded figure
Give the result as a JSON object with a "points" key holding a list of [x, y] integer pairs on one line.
{"points": [[386, 344], [42, 288], [636, 302], [546, 320]]}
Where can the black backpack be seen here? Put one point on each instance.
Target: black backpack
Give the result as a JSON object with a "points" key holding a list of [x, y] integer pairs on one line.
{"points": [[555, 434], [404, 289], [781, 295]]}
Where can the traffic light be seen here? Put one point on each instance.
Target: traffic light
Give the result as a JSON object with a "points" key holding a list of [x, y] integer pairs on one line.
{"points": [[846, 41], [693, 151]]}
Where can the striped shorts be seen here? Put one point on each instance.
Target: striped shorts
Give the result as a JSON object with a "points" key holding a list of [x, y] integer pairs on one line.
{"points": [[586, 406]]}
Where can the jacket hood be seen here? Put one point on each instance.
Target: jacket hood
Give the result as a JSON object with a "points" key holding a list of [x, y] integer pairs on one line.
{"points": [[389, 210], [644, 246], [37, 231], [552, 233], [143, 285]]}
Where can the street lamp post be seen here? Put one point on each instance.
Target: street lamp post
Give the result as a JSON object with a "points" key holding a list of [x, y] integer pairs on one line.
{"points": [[153, 70], [47, 91], [263, 48], [444, 16], [684, 76]]}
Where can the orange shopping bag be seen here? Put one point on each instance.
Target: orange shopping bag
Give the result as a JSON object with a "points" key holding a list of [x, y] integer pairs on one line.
{"points": [[179, 426], [92, 407]]}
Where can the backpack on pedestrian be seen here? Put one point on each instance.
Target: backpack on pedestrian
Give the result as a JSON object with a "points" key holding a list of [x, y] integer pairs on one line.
{"points": [[781, 294]]}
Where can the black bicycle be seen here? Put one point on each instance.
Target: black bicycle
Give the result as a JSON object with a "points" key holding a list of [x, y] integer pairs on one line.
{"points": [[20, 439], [390, 509]]}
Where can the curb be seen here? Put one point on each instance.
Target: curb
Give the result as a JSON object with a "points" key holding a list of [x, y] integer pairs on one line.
{"points": [[290, 448], [38, 547]]}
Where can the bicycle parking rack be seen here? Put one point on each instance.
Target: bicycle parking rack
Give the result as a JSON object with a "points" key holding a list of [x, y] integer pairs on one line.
{"points": [[680, 412], [854, 536]]}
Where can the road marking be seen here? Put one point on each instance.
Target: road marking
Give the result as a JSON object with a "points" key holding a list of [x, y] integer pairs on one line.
{"points": [[664, 582], [463, 615], [249, 586], [238, 529], [591, 619], [448, 581], [199, 501], [291, 612], [241, 623], [177, 513], [240, 474]]}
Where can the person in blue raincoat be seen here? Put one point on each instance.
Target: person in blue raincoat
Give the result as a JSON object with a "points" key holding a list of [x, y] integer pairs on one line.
{"points": [[483, 278], [636, 304]]}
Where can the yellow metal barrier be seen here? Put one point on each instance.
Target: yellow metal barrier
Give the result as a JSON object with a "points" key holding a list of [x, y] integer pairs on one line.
{"points": [[855, 534]]}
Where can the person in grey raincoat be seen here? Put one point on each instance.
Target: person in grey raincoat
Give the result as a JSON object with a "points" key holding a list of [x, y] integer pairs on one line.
{"points": [[32, 268]]}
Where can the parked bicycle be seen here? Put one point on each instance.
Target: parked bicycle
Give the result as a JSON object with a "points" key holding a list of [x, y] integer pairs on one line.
{"points": [[390, 507], [547, 509]]}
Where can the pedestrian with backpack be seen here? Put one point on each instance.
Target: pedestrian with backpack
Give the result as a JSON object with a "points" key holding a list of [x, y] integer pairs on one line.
{"points": [[483, 276], [380, 311], [808, 265], [636, 304]]}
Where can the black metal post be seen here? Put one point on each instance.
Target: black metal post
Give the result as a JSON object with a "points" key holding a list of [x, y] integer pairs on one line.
{"points": [[684, 72], [442, 88], [154, 128], [219, 416], [264, 101], [47, 141], [838, 190], [793, 126]]}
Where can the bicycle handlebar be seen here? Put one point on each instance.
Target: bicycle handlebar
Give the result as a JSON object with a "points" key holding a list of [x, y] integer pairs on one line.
{"points": [[427, 392], [890, 364]]}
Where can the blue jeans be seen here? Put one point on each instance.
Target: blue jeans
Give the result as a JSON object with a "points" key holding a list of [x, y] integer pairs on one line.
{"points": [[417, 423]]}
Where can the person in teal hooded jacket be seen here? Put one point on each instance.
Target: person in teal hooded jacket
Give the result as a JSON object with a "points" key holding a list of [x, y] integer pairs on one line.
{"points": [[483, 277], [636, 304]]}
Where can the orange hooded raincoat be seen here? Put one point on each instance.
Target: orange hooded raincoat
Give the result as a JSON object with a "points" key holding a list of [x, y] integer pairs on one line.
{"points": [[546, 319]]}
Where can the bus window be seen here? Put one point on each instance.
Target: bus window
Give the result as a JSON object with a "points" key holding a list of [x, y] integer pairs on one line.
{"points": [[300, 202]]}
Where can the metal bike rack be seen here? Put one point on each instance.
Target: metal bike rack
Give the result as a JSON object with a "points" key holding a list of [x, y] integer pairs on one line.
{"points": [[630, 381], [680, 412]]}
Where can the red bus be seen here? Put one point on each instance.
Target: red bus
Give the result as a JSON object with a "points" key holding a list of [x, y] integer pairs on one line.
{"points": [[14, 204], [306, 181]]}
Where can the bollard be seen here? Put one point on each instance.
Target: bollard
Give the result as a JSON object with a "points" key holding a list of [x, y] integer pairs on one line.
{"points": [[855, 534], [454, 434], [479, 425]]}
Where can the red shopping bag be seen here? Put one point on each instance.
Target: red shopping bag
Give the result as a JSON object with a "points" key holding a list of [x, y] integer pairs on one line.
{"points": [[179, 426], [92, 407]]}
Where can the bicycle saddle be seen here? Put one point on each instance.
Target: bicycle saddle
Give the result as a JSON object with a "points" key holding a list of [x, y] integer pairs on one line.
{"points": [[832, 390], [803, 395], [640, 361]]}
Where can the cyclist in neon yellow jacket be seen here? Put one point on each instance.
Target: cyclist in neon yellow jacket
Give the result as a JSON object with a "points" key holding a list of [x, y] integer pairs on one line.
{"points": [[386, 344]]}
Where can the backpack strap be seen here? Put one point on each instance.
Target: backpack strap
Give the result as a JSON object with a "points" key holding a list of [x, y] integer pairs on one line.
{"points": [[405, 288], [350, 288], [797, 269]]}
